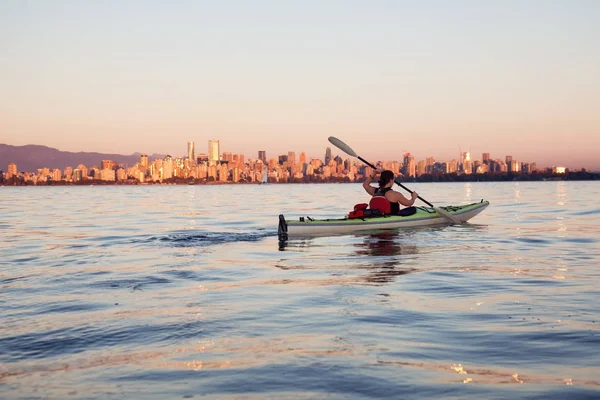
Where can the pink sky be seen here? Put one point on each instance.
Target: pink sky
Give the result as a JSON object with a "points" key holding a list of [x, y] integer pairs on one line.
{"points": [[513, 78]]}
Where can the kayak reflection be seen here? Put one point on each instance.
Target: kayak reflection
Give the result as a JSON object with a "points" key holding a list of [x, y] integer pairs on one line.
{"points": [[376, 257], [386, 253]]}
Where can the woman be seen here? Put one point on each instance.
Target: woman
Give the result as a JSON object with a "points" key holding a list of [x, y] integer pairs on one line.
{"points": [[385, 199]]}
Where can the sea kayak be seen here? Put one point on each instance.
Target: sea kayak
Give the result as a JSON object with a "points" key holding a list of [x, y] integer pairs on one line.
{"points": [[424, 216]]}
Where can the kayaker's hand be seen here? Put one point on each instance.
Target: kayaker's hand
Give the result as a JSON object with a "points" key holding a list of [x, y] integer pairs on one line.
{"points": [[415, 195]]}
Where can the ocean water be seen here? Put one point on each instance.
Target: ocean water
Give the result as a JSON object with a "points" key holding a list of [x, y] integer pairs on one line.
{"points": [[170, 292]]}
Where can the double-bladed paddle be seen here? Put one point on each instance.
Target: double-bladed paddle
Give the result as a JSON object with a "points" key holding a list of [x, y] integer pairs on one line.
{"points": [[348, 150]]}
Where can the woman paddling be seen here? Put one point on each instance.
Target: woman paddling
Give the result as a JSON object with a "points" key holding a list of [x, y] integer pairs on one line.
{"points": [[384, 198]]}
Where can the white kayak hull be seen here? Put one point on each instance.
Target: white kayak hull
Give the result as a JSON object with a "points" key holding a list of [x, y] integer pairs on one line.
{"points": [[424, 216]]}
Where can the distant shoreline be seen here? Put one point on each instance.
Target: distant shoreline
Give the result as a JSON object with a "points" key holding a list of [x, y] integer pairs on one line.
{"points": [[445, 178]]}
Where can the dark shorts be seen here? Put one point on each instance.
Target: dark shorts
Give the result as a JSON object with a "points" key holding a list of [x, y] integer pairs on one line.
{"points": [[407, 211]]}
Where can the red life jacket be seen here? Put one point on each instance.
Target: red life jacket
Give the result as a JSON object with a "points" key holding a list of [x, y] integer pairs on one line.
{"points": [[381, 204]]}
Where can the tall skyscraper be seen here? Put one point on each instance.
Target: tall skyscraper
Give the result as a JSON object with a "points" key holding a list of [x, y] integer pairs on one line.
{"points": [[327, 155], [144, 161], [262, 155], [409, 167], [291, 158], [509, 162], [213, 150], [485, 158], [302, 159], [12, 170], [191, 151]]}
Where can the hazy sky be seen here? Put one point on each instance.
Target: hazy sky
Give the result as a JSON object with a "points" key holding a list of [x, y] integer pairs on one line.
{"points": [[506, 77]]}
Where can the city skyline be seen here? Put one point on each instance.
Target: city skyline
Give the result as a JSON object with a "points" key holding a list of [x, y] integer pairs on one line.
{"points": [[225, 166], [510, 77], [214, 144]]}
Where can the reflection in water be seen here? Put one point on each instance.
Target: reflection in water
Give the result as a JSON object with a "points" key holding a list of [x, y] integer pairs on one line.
{"points": [[380, 254], [468, 192], [561, 193], [387, 252]]}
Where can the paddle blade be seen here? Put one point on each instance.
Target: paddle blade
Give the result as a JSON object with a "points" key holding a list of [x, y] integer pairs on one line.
{"points": [[342, 146], [449, 217]]}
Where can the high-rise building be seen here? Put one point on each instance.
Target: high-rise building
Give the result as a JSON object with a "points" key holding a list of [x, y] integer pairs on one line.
{"points": [[291, 158], [167, 167], [485, 158], [191, 152], [515, 166], [409, 167], [144, 161], [509, 162], [532, 167], [421, 167], [68, 174], [213, 150], [227, 156], [202, 158], [108, 164], [84, 171], [12, 170], [452, 167], [262, 155], [302, 159], [327, 155]]}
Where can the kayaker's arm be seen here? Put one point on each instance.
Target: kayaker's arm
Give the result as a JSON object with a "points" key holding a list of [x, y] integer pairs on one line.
{"points": [[367, 183], [394, 196]]}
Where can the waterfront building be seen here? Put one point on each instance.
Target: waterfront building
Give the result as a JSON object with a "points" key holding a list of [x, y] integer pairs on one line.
{"points": [[452, 167], [227, 156], [302, 158], [515, 166], [108, 164], [122, 175], [421, 167], [213, 151], [167, 167], [144, 161], [327, 155], [291, 158], [68, 174], [409, 167], [262, 155], [191, 152], [202, 158], [56, 175], [12, 170], [108, 175]]}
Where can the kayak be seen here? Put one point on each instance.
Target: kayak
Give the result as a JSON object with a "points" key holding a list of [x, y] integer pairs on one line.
{"points": [[424, 216]]}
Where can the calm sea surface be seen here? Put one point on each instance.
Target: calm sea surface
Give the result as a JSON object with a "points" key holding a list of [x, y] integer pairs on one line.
{"points": [[170, 292]]}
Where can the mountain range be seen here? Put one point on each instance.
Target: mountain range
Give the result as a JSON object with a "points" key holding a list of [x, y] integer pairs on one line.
{"points": [[31, 157]]}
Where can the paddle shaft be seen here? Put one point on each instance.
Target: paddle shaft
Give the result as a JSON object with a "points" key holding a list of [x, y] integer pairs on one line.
{"points": [[396, 182]]}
